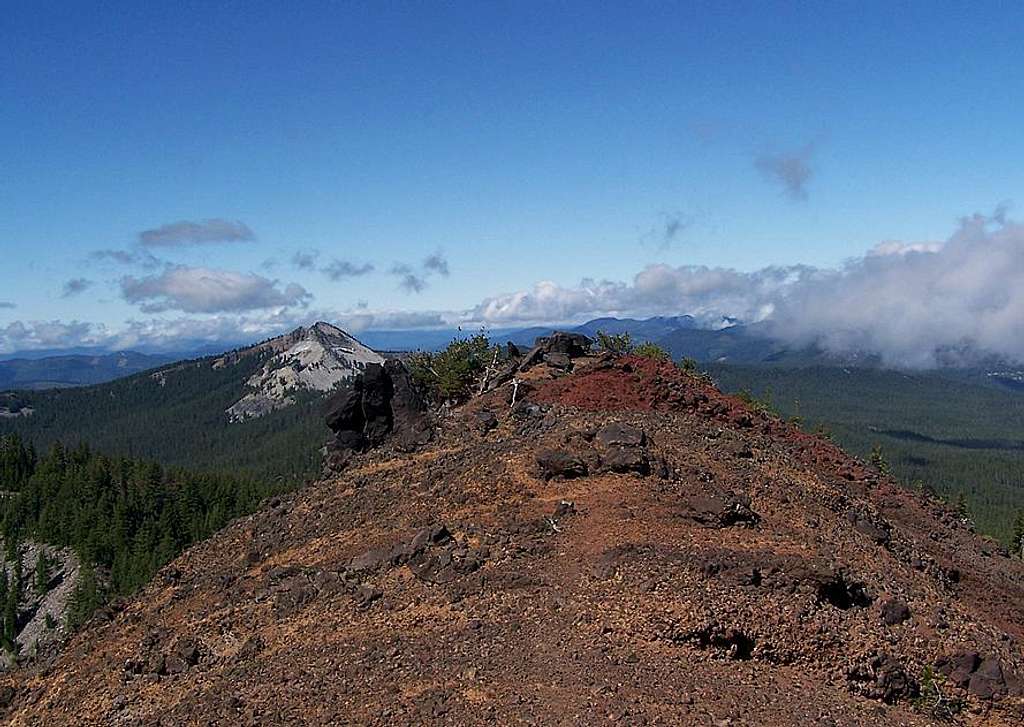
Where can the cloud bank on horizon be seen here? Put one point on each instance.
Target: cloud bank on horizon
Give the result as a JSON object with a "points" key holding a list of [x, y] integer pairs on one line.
{"points": [[903, 301]]}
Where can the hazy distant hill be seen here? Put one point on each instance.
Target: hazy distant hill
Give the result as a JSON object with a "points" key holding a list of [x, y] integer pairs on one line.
{"points": [[75, 369]]}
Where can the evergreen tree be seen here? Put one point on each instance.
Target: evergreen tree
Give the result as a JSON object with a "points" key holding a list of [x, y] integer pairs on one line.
{"points": [[1018, 533], [42, 573]]}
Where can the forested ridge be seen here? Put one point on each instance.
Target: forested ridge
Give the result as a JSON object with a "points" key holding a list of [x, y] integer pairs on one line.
{"points": [[933, 429], [124, 518], [175, 415]]}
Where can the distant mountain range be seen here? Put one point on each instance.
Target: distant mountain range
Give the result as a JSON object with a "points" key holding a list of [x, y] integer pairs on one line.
{"points": [[681, 336], [75, 369]]}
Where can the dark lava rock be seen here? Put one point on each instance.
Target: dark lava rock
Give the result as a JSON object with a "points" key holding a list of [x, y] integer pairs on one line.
{"points": [[175, 664], [377, 394], [573, 345], [894, 612], [991, 680], [882, 678], [365, 595], [344, 410], [558, 350], [188, 650], [618, 434], [560, 463], [958, 666], [613, 558], [411, 427], [719, 511], [484, 421], [382, 403], [843, 593], [874, 529], [627, 459], [558, 361]]}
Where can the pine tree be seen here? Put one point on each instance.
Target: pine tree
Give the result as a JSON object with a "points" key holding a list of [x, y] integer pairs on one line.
{"points": [[42, 573], [1018, 533]]}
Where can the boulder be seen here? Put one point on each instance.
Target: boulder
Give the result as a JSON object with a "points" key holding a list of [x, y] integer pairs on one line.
{"points": [[484, 421], [410, 422], [560, 463], [344, 410], [618, 434], [894, 612], [958, 666], [719, 510], [377, 395], [557, 350], [627, 459], [884, 678]]}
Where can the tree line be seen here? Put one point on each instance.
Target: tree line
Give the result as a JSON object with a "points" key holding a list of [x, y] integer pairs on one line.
{"points": [[124, 518]]}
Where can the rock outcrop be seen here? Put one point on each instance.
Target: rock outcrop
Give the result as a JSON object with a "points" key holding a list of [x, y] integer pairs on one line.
{"points": [[381, 404]]}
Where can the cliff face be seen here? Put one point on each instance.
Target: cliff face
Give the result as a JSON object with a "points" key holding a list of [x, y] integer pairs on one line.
{"points": [[622, 544]]}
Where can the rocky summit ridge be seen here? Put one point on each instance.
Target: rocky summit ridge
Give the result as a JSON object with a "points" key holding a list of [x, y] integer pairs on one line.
{"points": [[592, 540]]}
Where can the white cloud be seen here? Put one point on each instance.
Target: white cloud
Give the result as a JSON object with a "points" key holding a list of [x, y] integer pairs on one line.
{"points": [[202, 290]]}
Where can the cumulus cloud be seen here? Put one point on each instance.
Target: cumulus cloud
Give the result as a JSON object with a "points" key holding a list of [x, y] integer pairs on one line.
{"points": [[910, 303], [204, 232], [338, 269], [202, 290], [914, 303], [75, 286], [29, 335], [791, 169], [207, 333]]}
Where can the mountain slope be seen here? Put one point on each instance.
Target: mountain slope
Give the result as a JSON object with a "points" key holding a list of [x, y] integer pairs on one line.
{"points": [[703, 564], [952, 431]]}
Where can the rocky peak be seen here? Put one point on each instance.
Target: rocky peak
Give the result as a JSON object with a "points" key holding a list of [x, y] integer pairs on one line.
{"points": [[315, 358]]}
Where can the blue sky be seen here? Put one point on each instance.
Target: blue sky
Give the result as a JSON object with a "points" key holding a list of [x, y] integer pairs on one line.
{"points": [[517, 142]]}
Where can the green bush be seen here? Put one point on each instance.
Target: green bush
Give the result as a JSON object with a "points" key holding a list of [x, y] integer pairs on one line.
{"points": [[879, 461], [652, 351], [762, 405], [449, 375], [618, 343], [933, 701]]}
